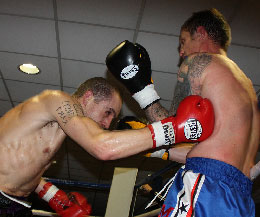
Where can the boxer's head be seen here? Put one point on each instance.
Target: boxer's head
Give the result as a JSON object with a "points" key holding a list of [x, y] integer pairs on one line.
{"points": [[100, 100], [208, 22]]}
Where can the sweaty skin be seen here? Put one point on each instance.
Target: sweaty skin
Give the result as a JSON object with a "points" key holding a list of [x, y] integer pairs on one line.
{"points": [[208, 72], [236, 133], [32, 132]]}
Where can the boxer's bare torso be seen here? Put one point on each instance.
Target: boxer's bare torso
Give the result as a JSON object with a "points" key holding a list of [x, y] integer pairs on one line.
{"points": [[32, 132], [28, 142], [236, 133]]}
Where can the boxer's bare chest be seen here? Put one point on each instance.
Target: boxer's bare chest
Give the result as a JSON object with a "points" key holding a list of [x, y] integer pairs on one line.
{"points": [[49, 138]]}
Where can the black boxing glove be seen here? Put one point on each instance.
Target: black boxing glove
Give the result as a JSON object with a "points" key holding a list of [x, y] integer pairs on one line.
{"points": [[131, 65]]}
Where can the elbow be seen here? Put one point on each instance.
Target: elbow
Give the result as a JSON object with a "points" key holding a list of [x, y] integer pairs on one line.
{"points": [[102, 154], [104, 150]]}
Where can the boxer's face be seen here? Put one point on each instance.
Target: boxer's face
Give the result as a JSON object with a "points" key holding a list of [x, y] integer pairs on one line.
{"points": [[188, 44], [104, 111]]}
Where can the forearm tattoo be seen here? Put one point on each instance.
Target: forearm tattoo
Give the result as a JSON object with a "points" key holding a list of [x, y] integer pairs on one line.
{"points": [[156, 112], [190, 75], [67, 110]]}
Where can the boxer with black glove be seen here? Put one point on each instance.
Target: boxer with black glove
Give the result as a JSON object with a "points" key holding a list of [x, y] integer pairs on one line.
{"points": [[131, 65]]}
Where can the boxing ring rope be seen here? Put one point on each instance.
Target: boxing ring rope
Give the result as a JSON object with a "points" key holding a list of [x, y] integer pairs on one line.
{"points": [[78, 183], [89, 185]]}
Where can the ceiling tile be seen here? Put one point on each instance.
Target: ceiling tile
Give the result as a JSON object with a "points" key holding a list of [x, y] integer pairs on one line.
{"points": [[163, 51], [76, 72], [112, 13], [247, 59], [27, 7], [49, 73], [4, 107], [245, 24], [21, 91], [28, 35], [91, 43], [167, 16], [3, 93]]}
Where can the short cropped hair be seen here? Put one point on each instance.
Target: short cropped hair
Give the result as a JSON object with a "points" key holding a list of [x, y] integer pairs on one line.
{"points": [[100, 87], [214, 23]]}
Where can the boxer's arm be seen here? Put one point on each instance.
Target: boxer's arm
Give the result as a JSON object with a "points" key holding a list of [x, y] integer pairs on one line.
{"points": [[156, 112], [255, 171], [179, 152], [102, 144], [110, 145]]}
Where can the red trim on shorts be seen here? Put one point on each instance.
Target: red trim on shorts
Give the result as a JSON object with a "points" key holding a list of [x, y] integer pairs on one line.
{"points": [[190, 211]]}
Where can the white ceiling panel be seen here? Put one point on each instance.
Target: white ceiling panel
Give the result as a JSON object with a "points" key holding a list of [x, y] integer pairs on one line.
{"points": [[21, 91], [167, 16], [163, 51], [246, 24], [3, 93], [80, 71], [49, 73], [27, 7], [246, 58], [4, 107], [28, 35], [167, 81], [111, 13], [92, 43]]}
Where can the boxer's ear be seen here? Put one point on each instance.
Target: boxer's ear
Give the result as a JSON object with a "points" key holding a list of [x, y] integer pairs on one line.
{"points": [[201, 32], [88, 95]]}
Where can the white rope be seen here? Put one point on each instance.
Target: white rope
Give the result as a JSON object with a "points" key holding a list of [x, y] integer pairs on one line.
{"points": [[168, 185]]}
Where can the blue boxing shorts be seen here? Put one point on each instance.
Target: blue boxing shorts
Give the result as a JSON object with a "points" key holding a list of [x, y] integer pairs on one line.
{"points": [[209, 188], [11, 206]]}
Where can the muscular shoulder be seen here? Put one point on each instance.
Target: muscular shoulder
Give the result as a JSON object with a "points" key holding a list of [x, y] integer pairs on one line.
{"points": [[61, 105], [194, 68], [49, 94], [50, 105], [195, 64]]}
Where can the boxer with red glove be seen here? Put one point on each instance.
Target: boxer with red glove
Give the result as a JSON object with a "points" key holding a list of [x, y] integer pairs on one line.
{"points": [[194, 122], [131, 65], [74, 205]]}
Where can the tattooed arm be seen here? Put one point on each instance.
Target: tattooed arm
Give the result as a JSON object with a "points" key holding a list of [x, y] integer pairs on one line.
{"points": [[190, 78], [189, 82], [156, 112]]}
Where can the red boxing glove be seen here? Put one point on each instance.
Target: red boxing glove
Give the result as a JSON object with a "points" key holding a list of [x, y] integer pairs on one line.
{"points": [[79, 208], [194, 121], [57, 199]]}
